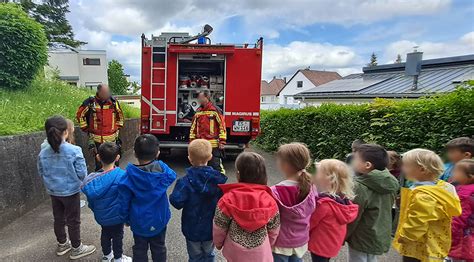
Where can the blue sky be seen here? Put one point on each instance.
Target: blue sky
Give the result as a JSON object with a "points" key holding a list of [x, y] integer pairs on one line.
{"points": [[337, 35]]}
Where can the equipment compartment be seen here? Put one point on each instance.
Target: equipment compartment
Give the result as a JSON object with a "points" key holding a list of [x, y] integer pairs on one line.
{"points": [[195, 74]]}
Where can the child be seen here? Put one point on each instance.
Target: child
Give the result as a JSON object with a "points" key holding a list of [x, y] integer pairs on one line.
{"points": [[462, 247], [296, 201], [458, 149], [247, 221], [426, 210], [375, 189], [197, 194], [394, 163], [70, 135], [62, 167], [101, 189], [354, 145], [143, 198], [334, 210]]}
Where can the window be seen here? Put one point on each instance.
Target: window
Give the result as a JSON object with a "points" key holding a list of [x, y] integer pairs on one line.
{"points": [[299, 84], [91, 61], [262, 99]]}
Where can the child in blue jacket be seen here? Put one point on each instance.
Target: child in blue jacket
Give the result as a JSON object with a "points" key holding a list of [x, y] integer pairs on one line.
{"points": [[62, 167], [197, 194], [144, 203], [101, 189]]}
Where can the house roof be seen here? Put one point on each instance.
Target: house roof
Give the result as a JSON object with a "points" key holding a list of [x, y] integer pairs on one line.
{"points": [[320, 77], [316, 77], [389, 81], [272, 88]]}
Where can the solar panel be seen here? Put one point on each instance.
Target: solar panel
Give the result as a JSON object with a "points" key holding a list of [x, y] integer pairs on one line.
{"points": [[346, 85]]}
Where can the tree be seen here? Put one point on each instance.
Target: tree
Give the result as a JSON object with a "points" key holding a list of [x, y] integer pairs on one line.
{"points": [[23, 47], [373, 60], [135, 87], [399, 59], [117, 81], [52, 15]]}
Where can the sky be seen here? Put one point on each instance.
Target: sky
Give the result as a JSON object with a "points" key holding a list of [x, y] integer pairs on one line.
{"points": [[331, 35]]}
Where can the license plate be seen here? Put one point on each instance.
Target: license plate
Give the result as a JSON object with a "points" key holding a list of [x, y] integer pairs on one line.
{"points": [[241, 126]]}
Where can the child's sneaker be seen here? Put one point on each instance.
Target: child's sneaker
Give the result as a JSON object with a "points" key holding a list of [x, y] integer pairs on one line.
{"points": [[124, 258], [63, 248], [108, 258], [82, 251]]}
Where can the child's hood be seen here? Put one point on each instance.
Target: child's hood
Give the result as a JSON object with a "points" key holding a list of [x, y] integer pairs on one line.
{"points": [[344, 214], [204, 180], [381, 181], [251, 206], [152, 176], [445, 194], [96, 184], [303, 208]]}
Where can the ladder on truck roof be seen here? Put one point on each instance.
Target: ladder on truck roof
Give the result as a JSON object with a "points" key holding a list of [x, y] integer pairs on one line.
{"points": [[158, 55]]}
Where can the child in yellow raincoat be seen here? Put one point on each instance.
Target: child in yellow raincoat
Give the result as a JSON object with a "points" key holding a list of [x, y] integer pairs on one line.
{"points": [[426, 210]]}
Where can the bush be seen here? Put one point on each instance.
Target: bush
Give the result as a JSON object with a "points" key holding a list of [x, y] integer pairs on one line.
{"points": [[23, 47], [24, 111], [329, 130]]}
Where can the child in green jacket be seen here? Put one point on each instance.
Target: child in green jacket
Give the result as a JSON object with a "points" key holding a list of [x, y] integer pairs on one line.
{"points": [[375, 189]]}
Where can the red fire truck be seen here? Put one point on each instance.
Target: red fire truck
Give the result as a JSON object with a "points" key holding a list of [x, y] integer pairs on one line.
{"points": [[175, 69]]}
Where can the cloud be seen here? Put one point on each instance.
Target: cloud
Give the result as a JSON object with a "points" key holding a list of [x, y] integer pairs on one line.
{"points": [[100, 22], [130, 17], [462, 46], [285, 60]]}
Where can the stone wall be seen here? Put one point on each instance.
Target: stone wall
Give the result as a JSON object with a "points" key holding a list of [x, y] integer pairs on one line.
{"points": [[21, 188]]}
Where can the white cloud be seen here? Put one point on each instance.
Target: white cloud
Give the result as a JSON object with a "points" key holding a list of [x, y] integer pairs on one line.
{"points": [[462, 46], [130, 17], [285, 60], [108, 24]]}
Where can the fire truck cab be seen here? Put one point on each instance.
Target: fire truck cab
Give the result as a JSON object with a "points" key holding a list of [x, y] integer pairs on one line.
{"points": [[175, 70]]}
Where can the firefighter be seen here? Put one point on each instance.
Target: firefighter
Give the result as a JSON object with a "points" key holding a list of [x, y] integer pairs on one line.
{"points": [[208, 123], [101, 117]]}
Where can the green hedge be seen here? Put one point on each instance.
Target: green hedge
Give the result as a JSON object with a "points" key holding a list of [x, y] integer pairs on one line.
{"points": [[401, 125], [23, 47]]}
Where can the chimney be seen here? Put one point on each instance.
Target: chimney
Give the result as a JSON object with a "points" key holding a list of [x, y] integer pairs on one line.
{"points": [[413, 66], [284, 79]]}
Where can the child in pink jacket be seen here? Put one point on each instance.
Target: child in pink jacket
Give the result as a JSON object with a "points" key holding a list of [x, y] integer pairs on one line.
{"points": [[247, 221], [296, 200], [462, 247], [328, 225]]}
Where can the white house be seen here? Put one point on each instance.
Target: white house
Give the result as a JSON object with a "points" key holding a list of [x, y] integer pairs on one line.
{"points": [[84, 68], [303, 80], [269, 93]]}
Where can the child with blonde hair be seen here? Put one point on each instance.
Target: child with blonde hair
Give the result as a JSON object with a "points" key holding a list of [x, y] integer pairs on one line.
{"points": [[197, 194], [296, 200], [247, 221], [426, 209], [328, 225]]}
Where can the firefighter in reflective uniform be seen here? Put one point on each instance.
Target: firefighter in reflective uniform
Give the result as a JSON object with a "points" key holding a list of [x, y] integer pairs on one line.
{"points": [[101, 117], [208, 123]]}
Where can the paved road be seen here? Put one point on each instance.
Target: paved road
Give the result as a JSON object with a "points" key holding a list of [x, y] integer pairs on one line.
{"points": [[31, 237]]}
